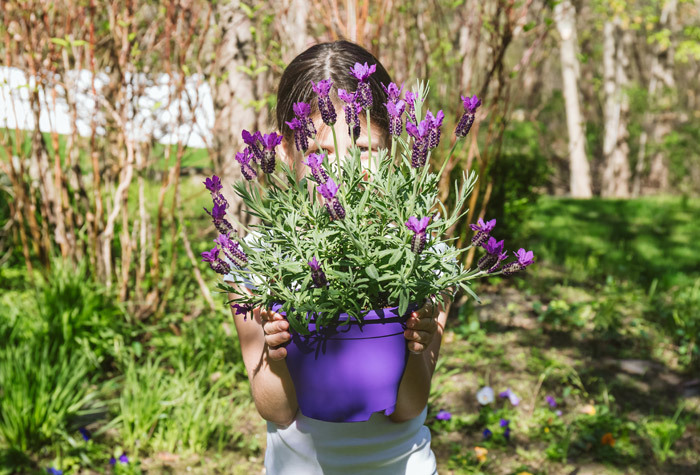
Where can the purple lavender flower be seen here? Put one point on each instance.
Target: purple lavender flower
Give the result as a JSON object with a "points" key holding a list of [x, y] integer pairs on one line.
{"points": [[487, 434], [315, 162], [251, 140], [301, 140], [303, 110], [512, 397], [329, 190], [419, 236], [525, 258], [242, 309], [217, 264], [411, 109], [85, 433], [213, 184], [269, 142], [244, 158], [232, 250], [364, 92], [443, 415], [395, 111], [218, 215], [483, 229], [325, 105], [393, 92], [420, 134], [494, 251], [435, 124], [352, 112], [465, 123], [317, 275], [551, 401]]}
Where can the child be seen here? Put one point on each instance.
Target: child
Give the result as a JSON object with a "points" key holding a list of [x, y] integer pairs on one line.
{"points": [[297, 445]]}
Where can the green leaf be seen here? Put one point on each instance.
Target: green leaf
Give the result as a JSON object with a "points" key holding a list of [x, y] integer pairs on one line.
{"points": [[59, 42], [403, 302], [372, 272]]}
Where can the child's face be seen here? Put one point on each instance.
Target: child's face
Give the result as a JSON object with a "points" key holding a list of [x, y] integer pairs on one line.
{"points": [[324, 136]]}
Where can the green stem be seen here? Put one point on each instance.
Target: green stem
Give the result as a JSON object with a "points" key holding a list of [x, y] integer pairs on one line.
{"points": [[393, 152], [369, 140], [335, 147]]}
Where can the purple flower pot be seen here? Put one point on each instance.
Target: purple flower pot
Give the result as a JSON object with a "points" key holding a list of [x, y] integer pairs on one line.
{"points": [[346, 373]]}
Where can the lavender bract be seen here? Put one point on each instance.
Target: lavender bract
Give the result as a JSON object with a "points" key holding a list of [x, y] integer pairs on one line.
{"points": [[251, 140], [352, 113], [465, 123], [317, 275], [524, 259], [393, 92], [495, 252], [218, 215], [483, 229], [325, 105], [269, 142], [315, 161], [217, 264], [363, 94], [419, 237], [329, 190], [395, 111], [411, 106], [247, 170], [435, 124], [420, 134], [232, 250]]}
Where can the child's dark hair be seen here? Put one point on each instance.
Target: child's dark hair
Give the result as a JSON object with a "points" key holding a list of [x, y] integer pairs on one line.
{"points": [[329, 60]]}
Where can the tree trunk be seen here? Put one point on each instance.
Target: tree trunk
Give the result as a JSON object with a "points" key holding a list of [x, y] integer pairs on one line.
{"points": [[580, 174], [616, 169], [233, 91]]}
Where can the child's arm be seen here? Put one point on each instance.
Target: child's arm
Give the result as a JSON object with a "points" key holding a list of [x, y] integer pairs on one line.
{"points": [[270, 382], [414, 388]]}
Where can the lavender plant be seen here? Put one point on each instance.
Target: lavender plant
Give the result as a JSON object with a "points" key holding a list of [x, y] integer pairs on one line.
{"points": [[352, 244]]}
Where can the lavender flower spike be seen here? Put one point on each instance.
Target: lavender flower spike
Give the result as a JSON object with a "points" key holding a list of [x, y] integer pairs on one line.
{"points": [[302, 110], [269, 142], [352, 111], [465, 123], [301, 141], [329, 190], [218, 213], [419, 237], [232, 250], [244, 158], [364, 92], [411, 106], [251, 140], [217, 264], [435, 124], [494, 249], [483, 229], [393, 92], [325, 105], [525, 258], [213, 184], [395, 111], [420, 134], [317, 275], [315, 161]]}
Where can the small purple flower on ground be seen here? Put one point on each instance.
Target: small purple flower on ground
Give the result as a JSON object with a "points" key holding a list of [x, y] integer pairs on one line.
{"points": [[54, 471], [317, 275], [419, 237], [485, 395], [420, 134], [443, 415], [112, 461], [364, 92], [325, 105], [393, 92], [123, 458], [395, 111], [506, 433], [487, 434], [514, 400], [465, 123], [85, 433], [504, 422], [551, 401], [558, 412], [315, 162]]}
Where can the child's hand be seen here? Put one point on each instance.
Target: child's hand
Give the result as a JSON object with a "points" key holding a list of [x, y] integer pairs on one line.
{"points": [[422, 325], [275, 329]]}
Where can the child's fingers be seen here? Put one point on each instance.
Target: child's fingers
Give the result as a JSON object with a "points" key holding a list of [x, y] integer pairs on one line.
{"points": [[418, 336], [277, 339], [277, 353]]}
